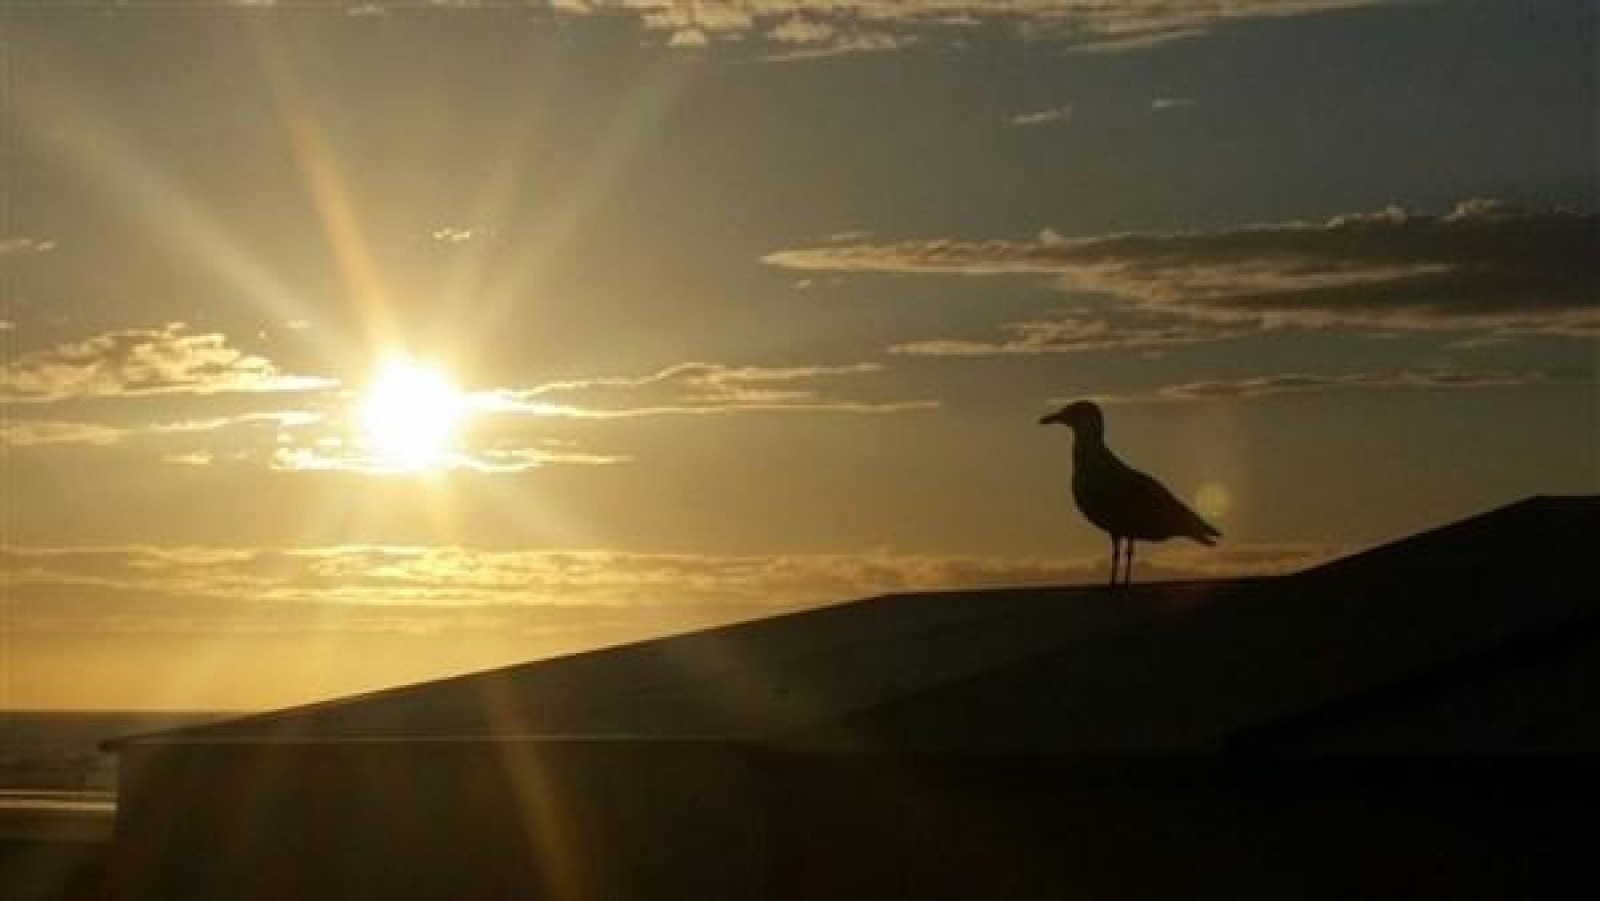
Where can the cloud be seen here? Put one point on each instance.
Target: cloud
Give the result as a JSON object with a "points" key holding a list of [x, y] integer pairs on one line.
{"points": [[688, 37], [847, 42], [460, 234], [1295, 382], [800, 30], [499, 460], [408, 588], [1043, 117], [825, 27], [697, 388], [1072, 335], [1138, 40], [329, 438], [168, 360], [305, 441], [1484, 266], [25, 246], [35, 432]]}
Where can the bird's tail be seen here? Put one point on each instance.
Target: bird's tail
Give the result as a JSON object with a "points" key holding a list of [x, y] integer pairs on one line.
{"points": [[1204, 532]]}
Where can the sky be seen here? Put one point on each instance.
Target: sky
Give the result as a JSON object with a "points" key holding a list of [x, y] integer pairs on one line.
{"points": [[354, 344]]}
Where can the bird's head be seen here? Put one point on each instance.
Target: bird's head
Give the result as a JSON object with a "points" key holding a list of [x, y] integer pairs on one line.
{"points": [[1080, 416]]}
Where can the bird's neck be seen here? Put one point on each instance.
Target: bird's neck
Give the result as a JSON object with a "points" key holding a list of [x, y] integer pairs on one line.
{"points": [[1088, 446]]}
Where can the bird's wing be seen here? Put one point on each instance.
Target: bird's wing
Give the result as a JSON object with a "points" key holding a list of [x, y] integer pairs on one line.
{"points": [[1160, 514]]}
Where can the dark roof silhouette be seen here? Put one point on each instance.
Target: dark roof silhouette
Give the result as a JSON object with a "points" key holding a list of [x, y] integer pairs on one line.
{"points": [[1025, 743], [1372, 651]]}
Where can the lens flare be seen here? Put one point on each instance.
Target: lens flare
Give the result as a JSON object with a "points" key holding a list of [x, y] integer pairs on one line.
{"points": [[1214, 500]]}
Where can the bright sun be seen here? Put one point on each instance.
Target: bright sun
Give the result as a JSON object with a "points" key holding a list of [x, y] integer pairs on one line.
{"points": [[410, 414]]}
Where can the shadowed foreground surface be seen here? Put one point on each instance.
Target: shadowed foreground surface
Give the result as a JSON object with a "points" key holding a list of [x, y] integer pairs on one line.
{"points": [[1415, 721]]}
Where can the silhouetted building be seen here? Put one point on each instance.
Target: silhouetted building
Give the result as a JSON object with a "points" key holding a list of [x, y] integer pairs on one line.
{"points": [[1417, 720]]}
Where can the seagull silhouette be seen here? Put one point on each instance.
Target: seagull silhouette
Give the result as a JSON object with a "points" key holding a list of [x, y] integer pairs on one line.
{"points": [[1126, 503]]}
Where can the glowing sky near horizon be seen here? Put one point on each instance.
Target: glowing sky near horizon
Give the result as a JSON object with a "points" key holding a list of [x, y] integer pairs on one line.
{"points": [[364, 343]]}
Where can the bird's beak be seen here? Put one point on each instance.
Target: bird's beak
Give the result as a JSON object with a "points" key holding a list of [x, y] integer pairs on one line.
{"points": [[1052, 419]]}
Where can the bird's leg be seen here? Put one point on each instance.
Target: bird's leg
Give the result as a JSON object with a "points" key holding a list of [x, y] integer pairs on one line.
{"points": [[1116, 554], [1128, 565]]}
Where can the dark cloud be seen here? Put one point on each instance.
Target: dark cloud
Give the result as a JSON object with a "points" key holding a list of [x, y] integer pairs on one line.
{"points": [[1291, 382], [1483, 266], [826, 27], [1073, 335]]}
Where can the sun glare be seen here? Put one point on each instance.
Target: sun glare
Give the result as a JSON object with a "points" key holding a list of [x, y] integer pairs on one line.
{"points": [[410, 414]]}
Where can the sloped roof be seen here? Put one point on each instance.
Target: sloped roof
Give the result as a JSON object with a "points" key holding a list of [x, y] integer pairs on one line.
{"points": [[1497, 614], [1167, 666]]}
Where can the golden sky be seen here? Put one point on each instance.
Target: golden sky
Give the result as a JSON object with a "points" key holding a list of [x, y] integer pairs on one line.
{"points": [[354, 344]]}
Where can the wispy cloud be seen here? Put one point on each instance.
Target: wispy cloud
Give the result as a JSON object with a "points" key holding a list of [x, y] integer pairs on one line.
{"points": [[168, 360], [22, 245], [1073, 335], [1137, 40], [1484, 266], [35, 432], [1043, 117], [353, 456], [141, 588], [460, 234], [328, 436], [492, 444], [696, 388], [190, 458], [303, 441], [1295, 382]]}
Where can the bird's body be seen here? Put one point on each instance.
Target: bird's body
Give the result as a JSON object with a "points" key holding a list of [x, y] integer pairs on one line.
{"points": [[1127, 504]]}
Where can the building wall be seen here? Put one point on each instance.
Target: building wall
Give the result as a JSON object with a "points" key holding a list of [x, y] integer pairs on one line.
{"points": [[436, 820], [647, 820]]}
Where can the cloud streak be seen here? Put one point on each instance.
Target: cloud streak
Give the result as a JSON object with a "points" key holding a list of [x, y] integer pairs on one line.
{"points": [[142, 588], [1300, 382], [1072, 335], [167, 360], [330, 438], [1043, 117], [35, 432], [341, 456], [696, 388], [22, 245], [1485, 266]]}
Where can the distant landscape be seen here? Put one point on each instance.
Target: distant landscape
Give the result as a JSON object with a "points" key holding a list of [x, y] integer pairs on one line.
{"points": [[60, 751]]}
